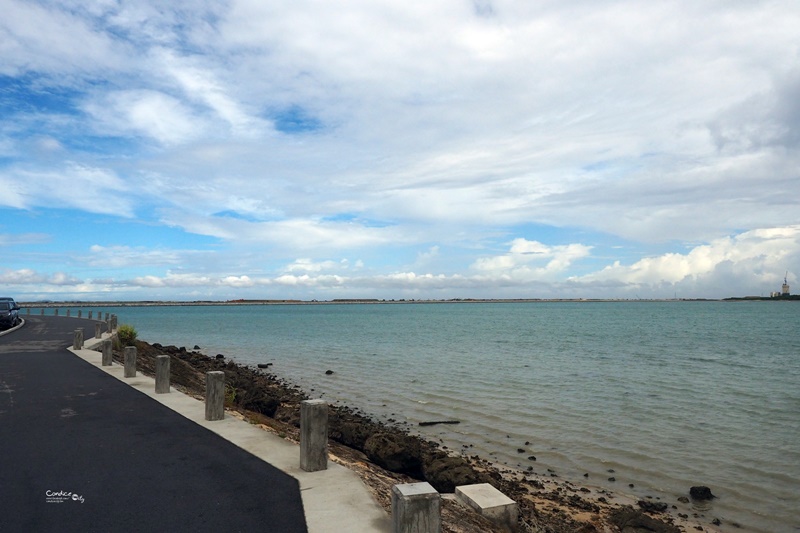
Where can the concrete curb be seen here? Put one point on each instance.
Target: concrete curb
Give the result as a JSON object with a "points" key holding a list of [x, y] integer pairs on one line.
{"points": [[334, 500], [15, 328]]}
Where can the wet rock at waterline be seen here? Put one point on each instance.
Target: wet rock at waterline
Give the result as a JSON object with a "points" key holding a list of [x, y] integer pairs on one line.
{"points": [[701, 493]]}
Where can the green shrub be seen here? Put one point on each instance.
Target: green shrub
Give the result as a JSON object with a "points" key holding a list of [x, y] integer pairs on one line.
{"points": [[126, 335], [230, 394]]}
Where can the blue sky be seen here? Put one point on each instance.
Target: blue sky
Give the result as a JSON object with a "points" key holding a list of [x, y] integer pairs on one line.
{"points": [[381, 149]]}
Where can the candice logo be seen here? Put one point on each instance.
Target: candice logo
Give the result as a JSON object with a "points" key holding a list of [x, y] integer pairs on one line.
{"points": [[61, 496]]}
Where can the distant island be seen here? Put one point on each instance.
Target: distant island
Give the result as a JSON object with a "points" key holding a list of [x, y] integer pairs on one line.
{"points": [[778, 298], [362, 301]]}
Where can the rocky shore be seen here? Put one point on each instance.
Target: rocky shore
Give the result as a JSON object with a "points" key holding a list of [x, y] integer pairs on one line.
{"points": [[386, 454]]}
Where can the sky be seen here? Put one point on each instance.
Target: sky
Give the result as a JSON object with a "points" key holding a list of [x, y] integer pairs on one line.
{"points": [[253, 149]]}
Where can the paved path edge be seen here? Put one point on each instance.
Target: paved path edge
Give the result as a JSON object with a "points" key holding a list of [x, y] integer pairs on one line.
{"points": [[334, 500]]}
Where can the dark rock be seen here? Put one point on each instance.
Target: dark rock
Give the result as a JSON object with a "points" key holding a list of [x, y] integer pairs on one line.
{"points": [[445, 473], [328, 372], [256, 400], [630, 520], [579, 503], [683, 499], [265, 365], [716, 522], [701, 493], [531, 458], [196, 347], [652, 507], [612, 479], [520, 450], [392, 452], [220, 356], [434, 422], [289, 414]]}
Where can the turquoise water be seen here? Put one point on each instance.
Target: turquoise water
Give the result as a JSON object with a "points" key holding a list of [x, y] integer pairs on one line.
{"points": [[667, 394]]}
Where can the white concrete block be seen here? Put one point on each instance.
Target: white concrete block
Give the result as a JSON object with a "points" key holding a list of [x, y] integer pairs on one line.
{"points": [[490, 503]]}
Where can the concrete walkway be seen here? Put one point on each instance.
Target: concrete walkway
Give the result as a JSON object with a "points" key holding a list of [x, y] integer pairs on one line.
{"points": [[333, 500]]}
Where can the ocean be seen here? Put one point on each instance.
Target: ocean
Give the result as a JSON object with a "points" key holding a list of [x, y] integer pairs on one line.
{"points": [[666, 395]]}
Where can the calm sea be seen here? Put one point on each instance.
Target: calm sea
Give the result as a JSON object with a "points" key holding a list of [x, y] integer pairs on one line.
{"points": [[666, 394]]}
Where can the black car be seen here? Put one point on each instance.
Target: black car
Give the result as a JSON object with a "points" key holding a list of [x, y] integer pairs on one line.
{"points": [[9, 313]]}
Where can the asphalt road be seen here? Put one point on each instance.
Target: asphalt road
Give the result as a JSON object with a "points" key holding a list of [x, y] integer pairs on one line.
{"points": [[82, 451]]}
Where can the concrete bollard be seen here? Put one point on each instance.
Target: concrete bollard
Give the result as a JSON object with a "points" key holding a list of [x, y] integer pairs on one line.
{"points": [[162, 374], [107, 353], [29, 311], [90, 315], [113, 322], [215, 395], [68, 312], [56, 311], [98, 330], [42, 311], [107, 317], [77, 340], [416, 508], [79, 313], [313, 435], [130, 362]]}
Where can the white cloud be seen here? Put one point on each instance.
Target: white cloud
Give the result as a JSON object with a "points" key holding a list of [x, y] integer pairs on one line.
{"points": [[288, 236], [746, 261], [305, 280], [237, 281], [172, 280], [145, 112], [750, 263], [91, 189], [307, 265], [427, 256], [9, 239], [31, 277], [522, 253], [38, 38], [199, 84], [125, 256]]}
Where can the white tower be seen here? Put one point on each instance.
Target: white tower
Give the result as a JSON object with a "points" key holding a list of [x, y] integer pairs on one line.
{"points": [[785, 286]]}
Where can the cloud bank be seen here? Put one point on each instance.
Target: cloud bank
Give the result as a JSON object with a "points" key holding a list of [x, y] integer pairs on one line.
{"points": [[490, 149]]}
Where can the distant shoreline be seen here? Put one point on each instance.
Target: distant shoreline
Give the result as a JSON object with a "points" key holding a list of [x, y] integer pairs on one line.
{"points": [[362, 301], [354, 301]]}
